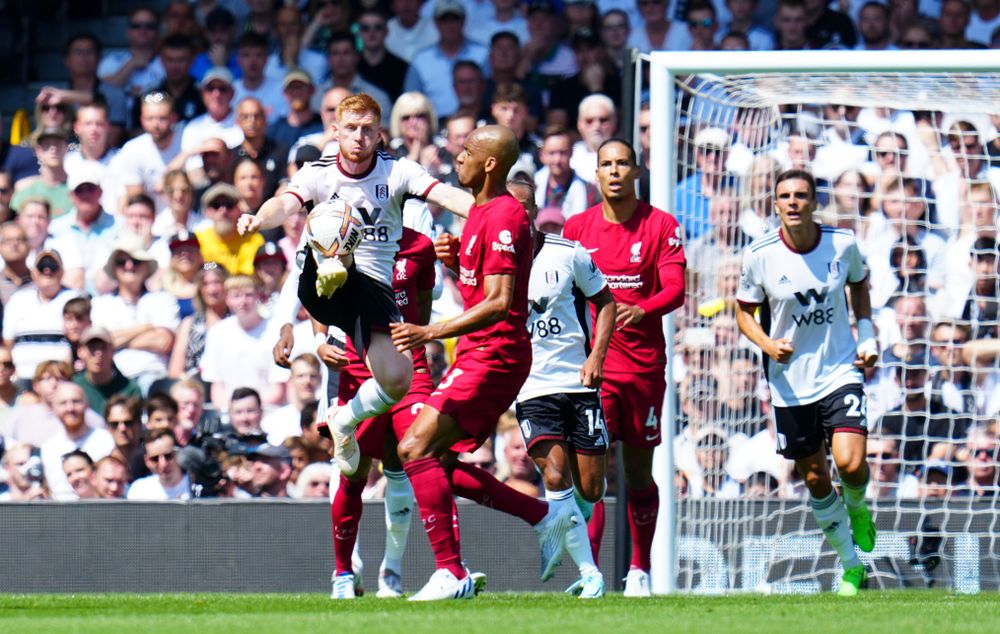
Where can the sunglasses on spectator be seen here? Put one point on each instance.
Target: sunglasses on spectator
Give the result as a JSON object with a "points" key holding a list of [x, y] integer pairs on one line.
{"points": [[123, 422], [144, 26], [644, 128], [365, 28], [48, 266], [885, 153], [223, 203], [705, 23], [49, 107], [5, 190], [984, 452], [968, 147], [166, 457], [7, 365], [220, 88], [123, 259], [416, 115], [915, 44]]}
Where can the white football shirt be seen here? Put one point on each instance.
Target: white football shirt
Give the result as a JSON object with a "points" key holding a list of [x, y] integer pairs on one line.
{"points": [[801, 298], [563, 276], [378, 194]]}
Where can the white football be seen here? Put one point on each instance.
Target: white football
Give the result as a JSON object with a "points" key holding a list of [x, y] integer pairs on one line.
{"points": [[334, 228]]}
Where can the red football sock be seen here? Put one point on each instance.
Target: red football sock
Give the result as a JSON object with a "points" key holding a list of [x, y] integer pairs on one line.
{"points": [[643, 507], [437, 510], [345, 511], [482, 488], [595, 529]]}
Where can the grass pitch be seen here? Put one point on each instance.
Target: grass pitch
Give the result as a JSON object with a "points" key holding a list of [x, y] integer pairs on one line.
{"points": [[897, 612]]}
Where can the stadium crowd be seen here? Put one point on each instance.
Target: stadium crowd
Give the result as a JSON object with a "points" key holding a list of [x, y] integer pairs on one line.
{"points": [[137, 345]]}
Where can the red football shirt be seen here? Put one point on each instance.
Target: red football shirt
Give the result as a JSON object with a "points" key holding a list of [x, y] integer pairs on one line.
{"points": [[412, 273], [633, 256], [496, 240]]}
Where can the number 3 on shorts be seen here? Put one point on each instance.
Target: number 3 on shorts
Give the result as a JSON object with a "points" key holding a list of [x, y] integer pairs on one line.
{"points": [[448, 380]]}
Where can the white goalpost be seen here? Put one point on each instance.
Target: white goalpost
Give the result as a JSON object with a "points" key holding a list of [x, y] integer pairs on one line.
{"points": [[900, 144]]}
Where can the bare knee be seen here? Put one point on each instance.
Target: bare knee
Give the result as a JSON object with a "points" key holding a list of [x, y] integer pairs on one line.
{"points": [[591, 490], [396, 382], [556, 477]]}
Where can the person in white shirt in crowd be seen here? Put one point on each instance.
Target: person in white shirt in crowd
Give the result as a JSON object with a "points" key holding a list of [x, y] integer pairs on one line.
{"points": [[702, 25], [34, 218], [343, 59], [138, 68], [179, 214], [33, 318], [251, 55], [142, 322], [430, 65], [557, 184], [596, 122], [14, 251], [289, 52], [409, 32], [284, 422], [70, 405], [137, 222], [545, 54], [978, 214], [142, 162], [168, 481], [25, 478], [245, 331], [272, 468], [984, 21], [889, 480], [218, 122], [656, 31], [32, 420], [873, 27], [110, 478], [192, 417], [78, 468], [93, 130], [505, 16]]}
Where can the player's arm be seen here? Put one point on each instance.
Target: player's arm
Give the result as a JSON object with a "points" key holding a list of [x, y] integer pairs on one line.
{"points": [[861, 305], [778, 349], [499, 292], [592, 372], [669, 298], [271, 214], [455, 200]]}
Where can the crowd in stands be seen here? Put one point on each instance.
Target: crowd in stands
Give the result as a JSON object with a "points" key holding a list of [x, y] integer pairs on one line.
{"points": [[136, 359]]}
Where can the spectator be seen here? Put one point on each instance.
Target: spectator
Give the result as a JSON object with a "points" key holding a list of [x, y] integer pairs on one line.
{"points": [[740, 405], [936, 480], [14, 251], [245, 415], [828, 28], [220, 31], [557, 184], [250, 180], [257, 146], [955, 175], [93, 130], [889, 479], [136, 69], [521, 475], [161, 413], [271, 471], [8, 390], [313, 482], [245, 331], [251, 55], [982, 308], [25, 477], [409, 32], [981, 463], [510, 109], [329, 16], [709, 179], [219, 241], [874, 28], [470, 86], [69, 404], [761, 484], [791, 26], [596, 122], [324, 141], [179, 215], [270, 266], [101, 379], [742, 20], [209, 308], [317, 444], [298, 118], [142, 322], [483, 457], [179, 19], [343, 59], [284, 422], [951, 381], [292, 229], [437, 360], [80, 57], [702, 25], [712, 447], [192, 417], [756, 456], [289, 52], [32, 419], [918, 37], [177, 53], [84, 235], [377, 64], [440, 161], [16, 161], [6, 193], [78, 467], [137, 227], [615, 31], [124, 418], [110, 478], [984, 20], [757, 216], [954, 23], [33, 322], [180, 277], [50, 145], [504, 16], [142, 162], [920, 423], [433, 62], [596, 74], [658, 32], [219, 120], [580, 15], [544, 57], [168, 481], [412, 126], [724, 237], [978, 215], [902, 327], [504, 63]]}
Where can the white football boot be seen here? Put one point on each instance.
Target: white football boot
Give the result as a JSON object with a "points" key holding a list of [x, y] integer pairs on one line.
{"points": [[443, 585]]}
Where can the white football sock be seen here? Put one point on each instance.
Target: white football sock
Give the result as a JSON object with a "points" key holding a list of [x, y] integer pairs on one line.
{"points": [[577, 540], [399, 506], [831, 515], [370, 400]]}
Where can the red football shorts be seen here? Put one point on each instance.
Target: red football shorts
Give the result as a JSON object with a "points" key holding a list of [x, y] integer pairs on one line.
{"points": [[632, 405], [371, 432], [476, 391]]}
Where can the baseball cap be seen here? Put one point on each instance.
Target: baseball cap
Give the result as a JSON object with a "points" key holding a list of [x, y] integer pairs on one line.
{"points": [[940, 466], [270, 451], [585, 37], [549, 216], [715, 138], [524, 165], [86, 173], [218, 191], [96, 332], [48, 133], [296, 74], [217, 73], [270, 251], [449, 7], [182, 238], [709, 431], [47, 258]]}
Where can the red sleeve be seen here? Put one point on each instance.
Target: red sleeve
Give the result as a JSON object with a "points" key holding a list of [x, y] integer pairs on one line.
{"points": [[502, 237], [427, 275], [569, 229], [669, 271]]}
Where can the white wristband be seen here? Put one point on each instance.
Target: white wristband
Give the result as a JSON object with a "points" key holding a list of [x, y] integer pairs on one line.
{"points": [[866, 338], [318, 340]]}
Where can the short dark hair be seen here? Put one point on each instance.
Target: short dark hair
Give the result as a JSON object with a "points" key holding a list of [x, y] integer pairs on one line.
{"points": [[250, 39], [617, 139], [797, 174], [504, 35], [141, 199], [79, 453], [155, 434], [308, 414], [509, 91], [79, 307], [132, 403], [884, 8], [341, 36], [176, 41], [88, 36], [241, 393], [467, 63], [556, 130], [161, 401], [699, 5]]}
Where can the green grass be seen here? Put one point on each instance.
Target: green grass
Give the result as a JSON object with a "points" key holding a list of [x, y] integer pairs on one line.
{"points": [[897, 612]]}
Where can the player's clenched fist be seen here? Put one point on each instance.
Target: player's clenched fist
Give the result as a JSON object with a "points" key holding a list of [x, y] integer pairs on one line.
{"points": [[780, 350], [248, 223], [408, 336], [628, 315], [446, 250], [283, 349]]}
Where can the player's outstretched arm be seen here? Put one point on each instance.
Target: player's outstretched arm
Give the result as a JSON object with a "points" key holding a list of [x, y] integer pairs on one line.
{"points": [[861, 304], [283, 348], [271, 214], [455, 200], [499, 292], [778, 349], [592, 372]]}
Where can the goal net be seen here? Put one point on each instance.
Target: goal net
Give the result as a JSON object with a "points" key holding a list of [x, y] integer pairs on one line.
{"points": [[903, 149]]}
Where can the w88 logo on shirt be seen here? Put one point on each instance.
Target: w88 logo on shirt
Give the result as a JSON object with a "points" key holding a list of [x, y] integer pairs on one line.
{"points": [[545, 327]]}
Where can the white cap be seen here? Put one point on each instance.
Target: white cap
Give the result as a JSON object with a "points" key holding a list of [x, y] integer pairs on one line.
{"points": [[713, 137], [87, 172]]}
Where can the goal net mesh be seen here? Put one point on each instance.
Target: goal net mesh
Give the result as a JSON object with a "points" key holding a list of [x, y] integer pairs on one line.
{"points": [[906, 161]]}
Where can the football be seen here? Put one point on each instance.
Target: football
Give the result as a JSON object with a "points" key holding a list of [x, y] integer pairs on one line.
{"points": [[334, 228]]}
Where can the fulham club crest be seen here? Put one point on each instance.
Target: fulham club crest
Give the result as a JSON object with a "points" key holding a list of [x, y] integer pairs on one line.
{"points": [[551, 277], [381, 192]]}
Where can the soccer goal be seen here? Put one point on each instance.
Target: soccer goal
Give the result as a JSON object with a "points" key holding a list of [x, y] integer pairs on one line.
{"points": [[901, 146]]}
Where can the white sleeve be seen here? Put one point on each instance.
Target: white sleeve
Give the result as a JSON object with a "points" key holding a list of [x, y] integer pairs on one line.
{"points": [[411, 178], [10, 316], [417, 216], [163, 311], [284, 310], [125, 168], [303, 184], [751, 290], [587, 277], [855, 264]]}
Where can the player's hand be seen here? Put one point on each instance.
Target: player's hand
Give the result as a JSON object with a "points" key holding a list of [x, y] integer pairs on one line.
{"points": [[335, 358], [248, 223], [781, 350], [867, 355], [628, 315], [409, 336], [446, 250], [592, 372], [283, 349]]}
